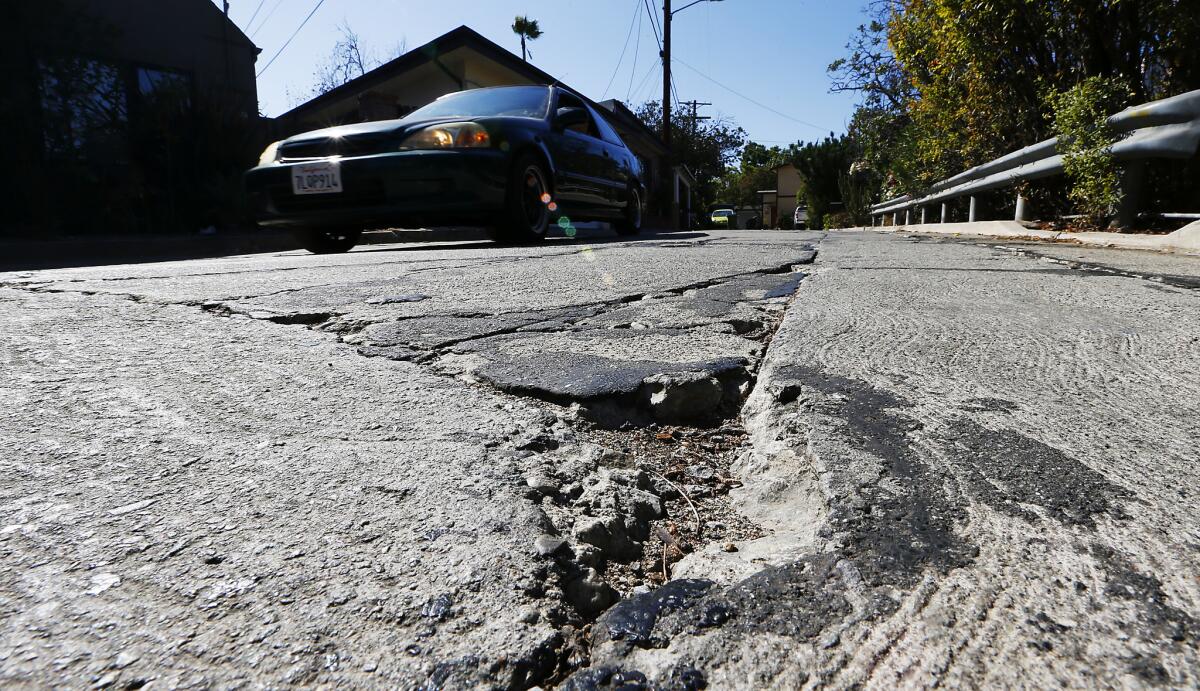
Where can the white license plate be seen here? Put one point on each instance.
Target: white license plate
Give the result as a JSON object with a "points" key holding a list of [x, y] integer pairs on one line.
{"points": [[317, 178]]}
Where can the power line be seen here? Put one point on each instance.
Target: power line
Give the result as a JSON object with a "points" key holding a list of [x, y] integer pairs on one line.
{"points": [[641, 84], [621, 60], [290, 38], [658, 38], [751, 100], [637, 51], [267, 18], [654, 24], [256, 10]]}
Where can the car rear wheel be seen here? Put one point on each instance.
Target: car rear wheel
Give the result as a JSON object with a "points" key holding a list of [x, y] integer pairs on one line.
{"points": [[328, 241], [631, 224], [527, 210]]}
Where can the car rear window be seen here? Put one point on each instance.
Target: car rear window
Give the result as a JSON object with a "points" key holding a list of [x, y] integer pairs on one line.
{"points": [[517, 101]]}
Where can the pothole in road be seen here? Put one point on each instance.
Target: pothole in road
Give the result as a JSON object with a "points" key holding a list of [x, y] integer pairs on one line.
{"points": [[635, 475], [632, 465]]}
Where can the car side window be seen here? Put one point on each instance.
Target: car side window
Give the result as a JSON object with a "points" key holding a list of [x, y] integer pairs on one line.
{"points": [[607, 133], [566, 100]]}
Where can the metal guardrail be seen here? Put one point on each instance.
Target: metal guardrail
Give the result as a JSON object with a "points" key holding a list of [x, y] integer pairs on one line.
{"points": [[1166, 129]]}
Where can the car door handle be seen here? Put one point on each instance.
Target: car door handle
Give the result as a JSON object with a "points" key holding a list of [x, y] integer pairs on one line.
{"points": [[607, 155]]}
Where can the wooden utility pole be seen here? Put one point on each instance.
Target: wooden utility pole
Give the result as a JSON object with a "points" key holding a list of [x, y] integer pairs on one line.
{"points": [[666, 63], [669, 167], [225, 45], [696, 118]]}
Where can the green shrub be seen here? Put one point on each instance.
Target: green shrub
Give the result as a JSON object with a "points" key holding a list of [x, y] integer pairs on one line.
{"points": [[1085, 142], [841, 219]]}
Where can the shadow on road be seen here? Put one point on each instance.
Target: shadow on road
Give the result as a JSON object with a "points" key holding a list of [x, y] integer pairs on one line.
{"points": [[84, 252]]}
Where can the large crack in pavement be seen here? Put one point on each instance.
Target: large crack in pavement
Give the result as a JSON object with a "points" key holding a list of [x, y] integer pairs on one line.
{"points": [[632, 465], [865, 513], [681, 356]]}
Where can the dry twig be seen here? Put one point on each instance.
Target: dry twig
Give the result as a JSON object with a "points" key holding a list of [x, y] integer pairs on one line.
{"points": [[686, 498]]}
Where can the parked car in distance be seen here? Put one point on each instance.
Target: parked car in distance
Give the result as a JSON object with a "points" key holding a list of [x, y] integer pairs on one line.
{"points": [[512, 158], [724, 218], [800, 218]]}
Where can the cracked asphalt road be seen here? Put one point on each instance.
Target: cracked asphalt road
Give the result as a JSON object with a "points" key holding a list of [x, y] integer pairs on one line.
{"points": [[964, 464]]}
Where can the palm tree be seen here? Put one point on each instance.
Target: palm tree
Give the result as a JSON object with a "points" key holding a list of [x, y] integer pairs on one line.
{"points": [[526, 28]]}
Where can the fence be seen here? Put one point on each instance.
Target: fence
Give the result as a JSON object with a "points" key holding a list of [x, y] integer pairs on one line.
{"points": [[1166, 129]]}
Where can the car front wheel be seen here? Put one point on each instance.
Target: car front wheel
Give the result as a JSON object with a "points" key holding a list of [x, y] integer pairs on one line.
{"points": [[631, 224], [328, 241], [528, 207]]}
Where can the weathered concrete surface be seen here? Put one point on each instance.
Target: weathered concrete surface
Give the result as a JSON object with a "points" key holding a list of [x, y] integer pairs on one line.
{"points": [[275, 470], [981, 470], [974, 466]]}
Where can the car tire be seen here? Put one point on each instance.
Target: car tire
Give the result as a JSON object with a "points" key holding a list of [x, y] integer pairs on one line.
{"points": [[328, 241], [527, 208], [631, 224]]}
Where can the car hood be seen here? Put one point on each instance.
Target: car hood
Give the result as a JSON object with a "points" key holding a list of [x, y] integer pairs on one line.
{"points": [[367, 129]]}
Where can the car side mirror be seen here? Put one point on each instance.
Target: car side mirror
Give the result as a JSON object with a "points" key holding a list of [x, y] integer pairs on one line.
{"points": [[567, 118]]}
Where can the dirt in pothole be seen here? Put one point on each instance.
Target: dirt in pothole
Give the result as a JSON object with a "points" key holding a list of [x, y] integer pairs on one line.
{"points": [[695, 465]]}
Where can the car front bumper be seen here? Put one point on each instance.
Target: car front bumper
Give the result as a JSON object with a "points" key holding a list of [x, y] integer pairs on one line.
{"points": [[385, 190]]}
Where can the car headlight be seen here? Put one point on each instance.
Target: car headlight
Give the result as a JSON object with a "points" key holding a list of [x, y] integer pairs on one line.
{"points": [[270, 154], [459, 135]]}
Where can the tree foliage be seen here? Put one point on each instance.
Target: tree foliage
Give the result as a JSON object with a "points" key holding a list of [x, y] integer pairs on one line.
{"points": [[348, 60], [949, 84], [755, 171], [529, 30], [822, 166], [707, 147]]}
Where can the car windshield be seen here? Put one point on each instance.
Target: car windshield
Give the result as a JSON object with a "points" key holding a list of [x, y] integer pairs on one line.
{"points": [[725, 214], [520, 101]]}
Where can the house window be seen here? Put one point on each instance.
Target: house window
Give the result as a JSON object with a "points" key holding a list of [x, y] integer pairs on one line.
{"points": [[84, 108], [158, 86]]}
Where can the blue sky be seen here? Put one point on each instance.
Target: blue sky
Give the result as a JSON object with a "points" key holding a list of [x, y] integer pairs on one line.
{"points": [[772, 51]]}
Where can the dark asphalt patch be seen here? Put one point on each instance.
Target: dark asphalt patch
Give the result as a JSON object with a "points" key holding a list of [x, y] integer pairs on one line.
{"points": [[679, 678], [1160, 619], [895, 527], [431, 333], [798, 600], [397, 353], [569, 377], [887, 531], [604, 678], [396, 299], [1006, 470], [989, 405], [750, 288], [632, 620]]}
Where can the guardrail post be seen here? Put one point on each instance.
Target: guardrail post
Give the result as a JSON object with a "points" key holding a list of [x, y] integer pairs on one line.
{"points": [[971, 213], [945, 212], [1133, 176], [1022, 208], [908, 217], [923, 210]]}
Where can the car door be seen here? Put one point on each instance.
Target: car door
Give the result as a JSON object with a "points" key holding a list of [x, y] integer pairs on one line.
{"points": [[619, 166], [580, 157]]}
